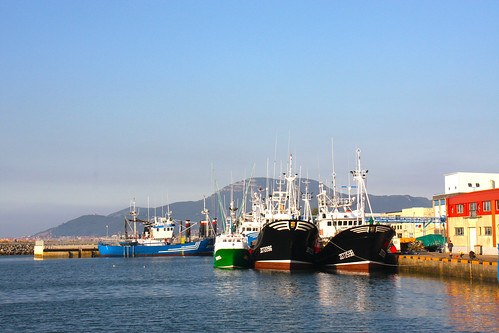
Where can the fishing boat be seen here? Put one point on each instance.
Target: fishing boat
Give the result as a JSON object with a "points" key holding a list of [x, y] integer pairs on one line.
{"points": [[158, 239], [251, 223], [350, 240], [286, 241], [231, 248]]}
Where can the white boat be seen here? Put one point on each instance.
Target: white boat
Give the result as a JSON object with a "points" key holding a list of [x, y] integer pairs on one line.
{"points": [[250, 224]]}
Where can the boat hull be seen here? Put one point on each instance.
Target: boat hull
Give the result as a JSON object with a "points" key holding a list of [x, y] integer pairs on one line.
{"points": [[361, 248], [232, 258], [199, 248], [286, 245]]}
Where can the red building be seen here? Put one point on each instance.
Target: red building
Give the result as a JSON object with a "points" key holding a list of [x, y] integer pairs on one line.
{"points": [[472, 221]]}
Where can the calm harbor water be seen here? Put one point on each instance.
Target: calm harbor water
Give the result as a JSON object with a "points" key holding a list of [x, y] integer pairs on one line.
{"points": [[188, 294]]}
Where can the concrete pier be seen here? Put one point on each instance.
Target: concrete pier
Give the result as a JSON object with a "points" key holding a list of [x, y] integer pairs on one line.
{"points": [[480, 269], [43, 250]]}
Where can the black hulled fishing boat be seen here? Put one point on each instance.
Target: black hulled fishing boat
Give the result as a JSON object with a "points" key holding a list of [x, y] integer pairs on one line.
{"points": [[350, 241], [286, 241]]}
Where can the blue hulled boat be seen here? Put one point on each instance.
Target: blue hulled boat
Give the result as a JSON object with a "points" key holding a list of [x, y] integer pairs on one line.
{"points": [[135, 249], [158, 238]]}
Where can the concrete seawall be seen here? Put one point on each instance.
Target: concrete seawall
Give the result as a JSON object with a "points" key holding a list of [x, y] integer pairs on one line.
{"points": [[44, 250], [480, 270]]}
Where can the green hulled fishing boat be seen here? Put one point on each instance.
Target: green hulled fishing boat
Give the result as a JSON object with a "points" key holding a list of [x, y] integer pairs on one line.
{"points": [[231, 251], [231, 248]]}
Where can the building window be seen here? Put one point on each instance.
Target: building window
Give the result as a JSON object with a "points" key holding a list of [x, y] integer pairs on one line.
{"points": [[459, 231], [488, 231], [442, 202], [486, 206], [497, 205], [328, 223], [399, 235], [473, 209], [436, 202], [460, 208]]}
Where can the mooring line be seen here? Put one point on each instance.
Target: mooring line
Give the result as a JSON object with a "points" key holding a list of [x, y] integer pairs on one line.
{"points": [[359, 257]]}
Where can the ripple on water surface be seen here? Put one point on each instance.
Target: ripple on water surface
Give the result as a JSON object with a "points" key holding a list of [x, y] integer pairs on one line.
{"points": [[188, 294]]}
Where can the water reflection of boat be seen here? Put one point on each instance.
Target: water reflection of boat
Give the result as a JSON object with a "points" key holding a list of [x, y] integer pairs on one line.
{"points": [[158, 239], [351, 242]]}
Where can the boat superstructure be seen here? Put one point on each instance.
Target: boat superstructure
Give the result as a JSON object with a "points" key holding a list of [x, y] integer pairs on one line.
{"points": [[158, 238], [231, 248], [351, 240], [286, 241], [250, 224]]}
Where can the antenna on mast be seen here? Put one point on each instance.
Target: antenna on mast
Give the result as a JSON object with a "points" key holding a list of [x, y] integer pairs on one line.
{"points": [[275, 161], [334, 172]]}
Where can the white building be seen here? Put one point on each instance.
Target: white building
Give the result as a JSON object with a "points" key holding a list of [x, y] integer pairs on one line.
{"points": [[463, 182]]}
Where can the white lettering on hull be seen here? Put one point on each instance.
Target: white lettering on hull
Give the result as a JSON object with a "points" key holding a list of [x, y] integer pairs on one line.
{"points": [[266, 249], [346, 254]]}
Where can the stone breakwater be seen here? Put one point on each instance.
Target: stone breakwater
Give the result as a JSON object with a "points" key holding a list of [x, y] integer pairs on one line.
{"points": [[17, 248]]}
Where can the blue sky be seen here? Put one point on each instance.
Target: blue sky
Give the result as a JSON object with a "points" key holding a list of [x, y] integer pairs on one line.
{"points": [[103, 101]]}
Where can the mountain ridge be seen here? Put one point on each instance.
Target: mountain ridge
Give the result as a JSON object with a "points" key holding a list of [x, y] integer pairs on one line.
{"points": [[92, 225]]}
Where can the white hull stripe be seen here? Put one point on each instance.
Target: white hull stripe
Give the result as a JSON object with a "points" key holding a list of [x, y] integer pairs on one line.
{"points": [[284, 225], [379, 228], [183, 248], [228, 246], [231, 266], [360, 230], [357, 263], [303, 227], [284, 261]]}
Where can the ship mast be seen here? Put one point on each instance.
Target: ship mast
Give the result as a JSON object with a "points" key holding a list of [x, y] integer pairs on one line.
{"points": [[307, 211], [335, 201], [207, 217], [359, 175], [293, 208], [133, 213], [233, 210]]}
